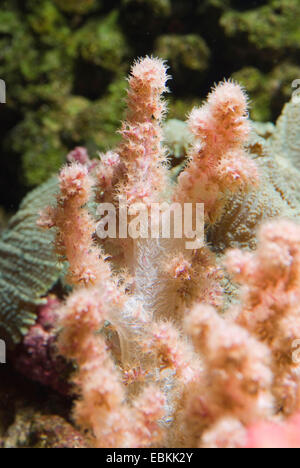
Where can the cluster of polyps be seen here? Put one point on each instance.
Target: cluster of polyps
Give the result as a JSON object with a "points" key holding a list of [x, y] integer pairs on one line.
{"points": [[180, 363]]}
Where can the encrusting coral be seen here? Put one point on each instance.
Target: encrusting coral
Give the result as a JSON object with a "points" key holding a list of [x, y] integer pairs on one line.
{"points": [[163, 354]]}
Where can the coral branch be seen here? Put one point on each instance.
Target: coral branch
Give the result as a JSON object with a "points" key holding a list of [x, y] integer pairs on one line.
{"points": [[270, 301], [236, 382], [141, 149], [100, 408], [75, 227], [218, 163]]}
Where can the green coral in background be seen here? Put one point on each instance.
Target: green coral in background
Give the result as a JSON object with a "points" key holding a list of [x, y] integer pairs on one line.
{"points": [[77, 6], [64, 61], [184, 53], [257, 84], [272, 26], [102, 42], [269, 91]]}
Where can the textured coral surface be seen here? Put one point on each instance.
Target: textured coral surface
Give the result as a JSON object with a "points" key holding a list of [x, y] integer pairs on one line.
{"points": [[28, 269]]}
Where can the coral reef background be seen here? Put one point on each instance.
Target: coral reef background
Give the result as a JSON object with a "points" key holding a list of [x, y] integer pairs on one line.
{"points": [[64, 63]]}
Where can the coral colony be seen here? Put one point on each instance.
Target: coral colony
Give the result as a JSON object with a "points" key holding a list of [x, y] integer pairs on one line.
{"points": [[173, 346]]}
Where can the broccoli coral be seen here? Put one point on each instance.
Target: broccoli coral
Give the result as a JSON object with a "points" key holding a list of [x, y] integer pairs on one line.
{"points": [[152, 349]]}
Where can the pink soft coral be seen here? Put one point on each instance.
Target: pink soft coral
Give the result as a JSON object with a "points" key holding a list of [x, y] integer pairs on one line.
{"points": [[235, 383], [173, 356], [75, 227], [274, 435], [270, 279], [141, 149], [218, 163]]}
